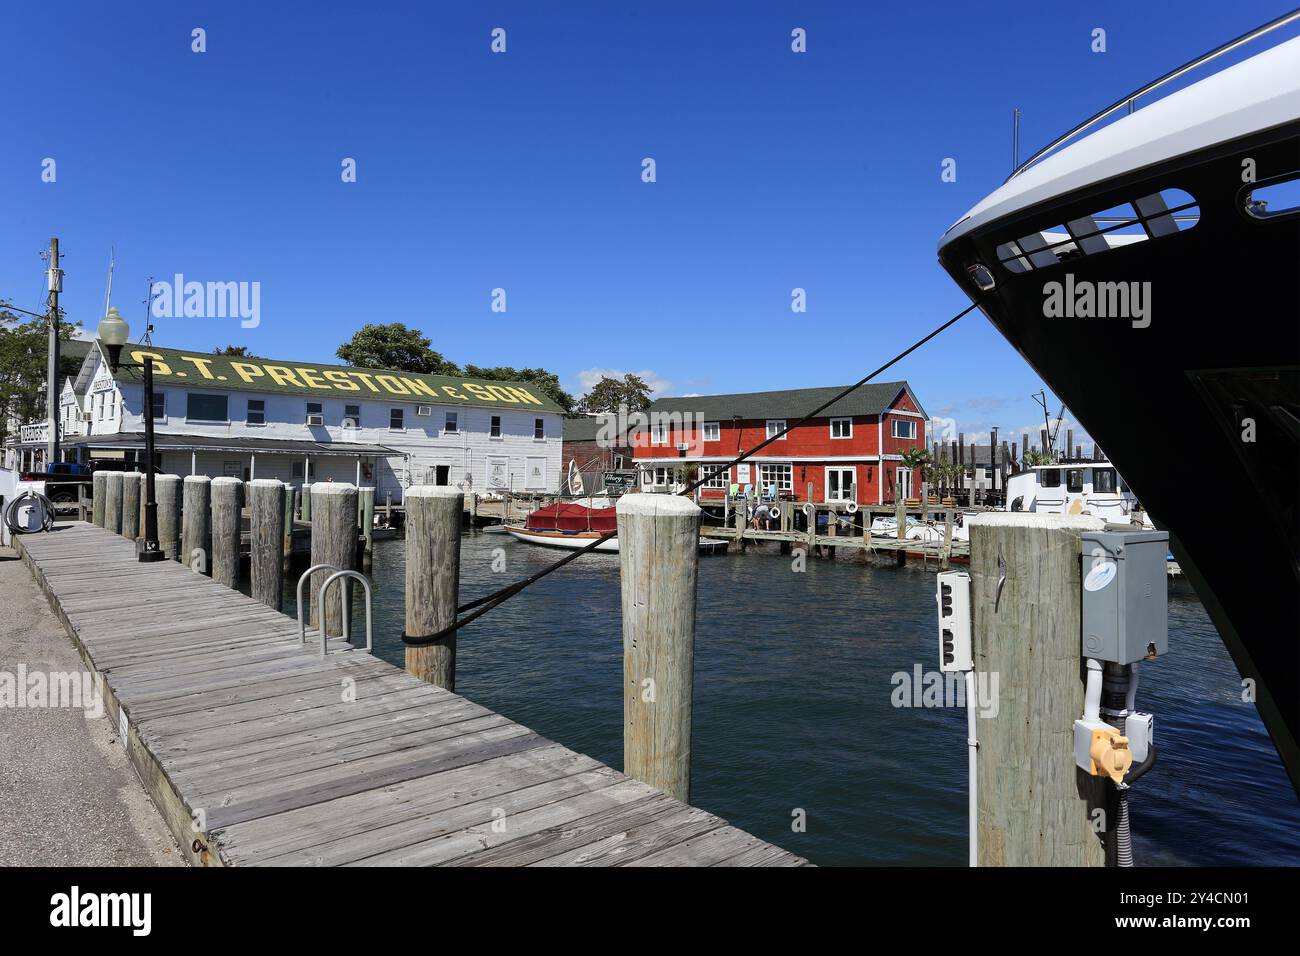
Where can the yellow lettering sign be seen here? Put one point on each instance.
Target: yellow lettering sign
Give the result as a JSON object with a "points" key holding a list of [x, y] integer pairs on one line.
{"points": [[282, 376], [311, 377], [200, 364], [159, 366], [480, 392], [342, 381], [391, 384], [247, 371]]}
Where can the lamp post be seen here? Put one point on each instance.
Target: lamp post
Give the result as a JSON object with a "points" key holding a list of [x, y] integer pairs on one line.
{"points": [[113, 334]]}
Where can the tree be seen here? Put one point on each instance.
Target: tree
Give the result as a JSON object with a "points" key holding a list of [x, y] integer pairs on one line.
{"points": [[23, 350], [609, 393], [239, 351], [1035, 457], [397, 347], [547, 382]]}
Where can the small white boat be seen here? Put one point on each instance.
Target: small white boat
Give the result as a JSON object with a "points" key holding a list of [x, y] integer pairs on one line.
{"points": [[569, 540], [914, 530]]}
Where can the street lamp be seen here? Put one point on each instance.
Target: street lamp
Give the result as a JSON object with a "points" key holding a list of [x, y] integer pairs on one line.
{"points": [[113, 334]]}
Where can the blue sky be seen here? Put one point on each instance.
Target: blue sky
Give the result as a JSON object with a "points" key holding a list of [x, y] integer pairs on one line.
{"points": [[522, 171]]}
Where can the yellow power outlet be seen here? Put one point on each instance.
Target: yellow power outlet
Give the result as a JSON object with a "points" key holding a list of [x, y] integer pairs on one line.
{"points": [[1110, 754]]}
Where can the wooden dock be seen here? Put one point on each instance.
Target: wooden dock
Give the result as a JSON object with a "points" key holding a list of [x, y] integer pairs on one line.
{"points": [[257, 752]]}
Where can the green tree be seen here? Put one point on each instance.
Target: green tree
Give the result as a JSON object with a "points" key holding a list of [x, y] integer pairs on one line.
{"points": [[23, 350], [397, 347], [239, 351], [1035, 457], [547, 382], [609, 393]]}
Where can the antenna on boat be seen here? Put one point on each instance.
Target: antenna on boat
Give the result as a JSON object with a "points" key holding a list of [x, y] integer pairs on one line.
{"points": [[1015, 139]]}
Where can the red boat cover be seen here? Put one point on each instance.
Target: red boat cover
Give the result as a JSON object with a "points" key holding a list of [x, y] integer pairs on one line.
{"points": [[571, 517]]}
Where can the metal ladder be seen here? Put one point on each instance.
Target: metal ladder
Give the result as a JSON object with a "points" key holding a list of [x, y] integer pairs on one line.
{"points": [[324, 591]]}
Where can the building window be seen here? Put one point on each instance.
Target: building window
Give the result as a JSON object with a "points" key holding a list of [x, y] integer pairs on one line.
{"points": [[315, 414], [775, 426], [1050, 478], [494, 431], [658, 434], [902, 428], [658, 477], [351, 416], [256, 411], [159, 405], [720, 480], [1074, 480], [712, 431], [1103, 481], [297, 471], [207, 408], [396, 420], [539, 429], [780, 475], [452, 423], [841, 428]]}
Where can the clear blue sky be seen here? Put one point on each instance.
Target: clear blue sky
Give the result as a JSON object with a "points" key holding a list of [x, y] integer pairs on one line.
{"points": [[523, 171]]}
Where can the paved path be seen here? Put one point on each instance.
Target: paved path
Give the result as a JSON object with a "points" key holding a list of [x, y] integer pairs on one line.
{"points": [[69, 794]]}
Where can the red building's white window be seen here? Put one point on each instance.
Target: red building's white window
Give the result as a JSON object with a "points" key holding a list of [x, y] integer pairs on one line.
{"points": [[841, 428], [780, 475], [721, 480], [775, 426], [902, 428], [659, 434], [711, 432]]}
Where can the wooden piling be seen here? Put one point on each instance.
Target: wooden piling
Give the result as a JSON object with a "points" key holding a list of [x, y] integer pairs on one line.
{"points": [[900, 513], [946, 554], [306, 501], [227, 506], [266, 514], [167, 493], [99, 495], [130, 528], [1034, 803], [113, 502], [658, 539], [433, 579], [333, 541], [366, 515], [83, 504], [286, 561], [196, 525]]}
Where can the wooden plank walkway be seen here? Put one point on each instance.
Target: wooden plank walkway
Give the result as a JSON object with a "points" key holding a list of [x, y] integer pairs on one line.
{"points": [[257, 752]]}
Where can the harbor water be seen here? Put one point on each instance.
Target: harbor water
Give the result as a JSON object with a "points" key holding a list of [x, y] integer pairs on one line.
{"points": [[797, 738]]}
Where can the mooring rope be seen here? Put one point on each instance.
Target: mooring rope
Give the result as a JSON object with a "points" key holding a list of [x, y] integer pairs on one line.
{"points": [[481, 606]]}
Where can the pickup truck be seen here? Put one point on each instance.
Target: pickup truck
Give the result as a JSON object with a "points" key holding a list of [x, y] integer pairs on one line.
{"points": [[62, 481]]}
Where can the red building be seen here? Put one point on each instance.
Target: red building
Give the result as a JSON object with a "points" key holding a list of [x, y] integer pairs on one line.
{"points": [[850, 451]]}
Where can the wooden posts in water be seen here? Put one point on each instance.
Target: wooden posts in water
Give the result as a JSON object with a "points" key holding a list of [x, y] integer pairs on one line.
{"points": [[1034, 803], [227, 506], [113, 502], [195, 523], [366, 515], [286, 560], [266, 513], [946, 554], [306, 501], [433, 517], [658, 538], [900, 513], [167, 492], [99, 495], [333, 541]]}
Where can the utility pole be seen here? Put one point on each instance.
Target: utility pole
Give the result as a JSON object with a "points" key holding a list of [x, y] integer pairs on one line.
{"points": [[52, 368]]}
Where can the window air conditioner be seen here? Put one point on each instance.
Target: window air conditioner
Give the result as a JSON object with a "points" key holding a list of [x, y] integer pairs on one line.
{"points": [[315, 419]]}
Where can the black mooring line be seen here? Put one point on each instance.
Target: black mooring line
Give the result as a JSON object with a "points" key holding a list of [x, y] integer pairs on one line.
{"points": [[485, 604]]}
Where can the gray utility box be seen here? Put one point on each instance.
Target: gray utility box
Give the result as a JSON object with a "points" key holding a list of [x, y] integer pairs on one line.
{"points": [[1125, 598]]}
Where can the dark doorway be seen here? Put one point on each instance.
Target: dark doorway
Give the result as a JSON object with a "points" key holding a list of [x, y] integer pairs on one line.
{"points": [[442, 474]]}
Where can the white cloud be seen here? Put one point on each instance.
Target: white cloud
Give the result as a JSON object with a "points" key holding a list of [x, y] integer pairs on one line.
{"points": [[588, 377]]}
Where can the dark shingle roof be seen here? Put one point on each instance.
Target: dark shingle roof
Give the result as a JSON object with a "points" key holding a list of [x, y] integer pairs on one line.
{"points": [[871, 399]]}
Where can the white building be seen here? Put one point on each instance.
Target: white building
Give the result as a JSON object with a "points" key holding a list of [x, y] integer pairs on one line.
{"points": [[265, 418]]}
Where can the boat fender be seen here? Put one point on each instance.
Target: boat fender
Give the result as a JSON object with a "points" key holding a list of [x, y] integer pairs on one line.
{"points": [[851, 507], [774, 512], [808, 509]]}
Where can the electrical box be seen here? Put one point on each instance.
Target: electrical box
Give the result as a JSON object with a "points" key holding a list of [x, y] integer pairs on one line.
{"points": [[1125, 598], [952, 593]]}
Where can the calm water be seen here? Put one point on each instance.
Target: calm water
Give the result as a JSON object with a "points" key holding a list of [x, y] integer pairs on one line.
{"points": [[792, 706]]}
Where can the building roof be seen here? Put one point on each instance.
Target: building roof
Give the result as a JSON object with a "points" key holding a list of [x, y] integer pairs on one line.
{"points": [[169, 441], [341, 382], [586, 428], [871, 399]]}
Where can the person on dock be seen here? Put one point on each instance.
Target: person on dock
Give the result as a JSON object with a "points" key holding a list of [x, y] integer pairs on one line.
{"points": [[760, 513]]}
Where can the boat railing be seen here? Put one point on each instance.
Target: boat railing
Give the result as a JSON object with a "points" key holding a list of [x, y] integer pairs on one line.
{"points": [[1128, 103]]}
